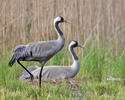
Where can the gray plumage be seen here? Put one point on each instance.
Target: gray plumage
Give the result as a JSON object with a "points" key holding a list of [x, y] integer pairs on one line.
{"points": [[26, 75], [57, 72], [37, 51], [40, 51], [17, 52], [51, 72]]}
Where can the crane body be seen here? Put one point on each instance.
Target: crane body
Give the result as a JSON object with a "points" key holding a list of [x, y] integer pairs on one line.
{"points": [[40, 51], [56, 72]]}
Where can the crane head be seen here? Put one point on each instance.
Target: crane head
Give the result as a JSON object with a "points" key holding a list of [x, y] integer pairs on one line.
{"points": [[60, 19], [74, 43]]}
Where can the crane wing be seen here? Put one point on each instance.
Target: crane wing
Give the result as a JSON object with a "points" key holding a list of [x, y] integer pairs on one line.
{"points": [[18, 51], [42, 49], [19, 48]]}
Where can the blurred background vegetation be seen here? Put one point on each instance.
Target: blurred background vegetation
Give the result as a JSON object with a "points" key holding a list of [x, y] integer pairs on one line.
{"points": [[23, 21]]}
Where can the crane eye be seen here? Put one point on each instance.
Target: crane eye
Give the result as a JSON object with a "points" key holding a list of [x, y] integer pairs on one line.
{"points": [[76, 43], [62, 19]]}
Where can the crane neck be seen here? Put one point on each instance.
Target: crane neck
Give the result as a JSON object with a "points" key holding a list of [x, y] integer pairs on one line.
{"points": [[74, 56], [59, 32], [75, 66]]}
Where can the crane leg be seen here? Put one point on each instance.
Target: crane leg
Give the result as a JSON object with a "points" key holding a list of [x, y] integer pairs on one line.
{"points": [[25, 69], [40, 75]]}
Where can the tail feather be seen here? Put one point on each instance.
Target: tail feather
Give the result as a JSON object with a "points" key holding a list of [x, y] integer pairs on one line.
{"points": [[12, 61]]}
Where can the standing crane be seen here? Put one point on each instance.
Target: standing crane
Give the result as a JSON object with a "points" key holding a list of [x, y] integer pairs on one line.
{"points": [[40, 51], [57, 72]]}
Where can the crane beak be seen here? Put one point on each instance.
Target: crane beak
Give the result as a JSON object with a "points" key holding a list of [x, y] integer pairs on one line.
{"points": [[67, 21], [81, 46]]}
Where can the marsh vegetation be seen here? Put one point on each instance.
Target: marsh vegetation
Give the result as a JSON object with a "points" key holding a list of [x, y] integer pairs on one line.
{"points": [[98, 24]]}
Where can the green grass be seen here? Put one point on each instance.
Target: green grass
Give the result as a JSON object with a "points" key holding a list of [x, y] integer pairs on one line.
{"points": [[96, 65]]}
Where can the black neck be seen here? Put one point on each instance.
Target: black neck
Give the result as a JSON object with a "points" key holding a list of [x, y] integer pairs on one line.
{"points": [[60, 33], [73, 53]]}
